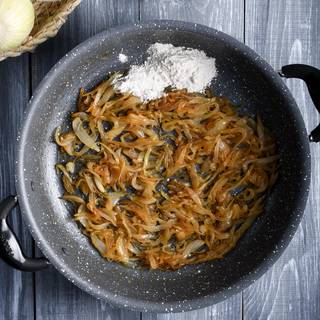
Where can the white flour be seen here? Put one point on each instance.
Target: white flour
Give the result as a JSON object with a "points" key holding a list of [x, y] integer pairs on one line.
{"points": [[122, 58], [167, 65]]}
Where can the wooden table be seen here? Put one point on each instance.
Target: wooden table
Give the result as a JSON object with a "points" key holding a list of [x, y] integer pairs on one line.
{"points": [[282, 31]]}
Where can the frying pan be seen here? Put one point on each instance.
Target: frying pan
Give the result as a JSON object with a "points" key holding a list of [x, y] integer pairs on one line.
{"points": [[243, 77]]}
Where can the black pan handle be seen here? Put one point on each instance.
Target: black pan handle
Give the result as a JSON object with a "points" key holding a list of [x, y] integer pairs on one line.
{"points": [[10, 249], [311, 76]]}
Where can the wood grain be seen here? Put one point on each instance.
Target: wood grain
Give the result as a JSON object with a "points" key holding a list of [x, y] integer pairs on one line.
{"points": [[226, 16], [286, 32], [223, 15], [56, 297], [16, 293]]}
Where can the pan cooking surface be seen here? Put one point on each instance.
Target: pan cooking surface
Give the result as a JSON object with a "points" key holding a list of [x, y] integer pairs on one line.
{"points": [[248, 82]]}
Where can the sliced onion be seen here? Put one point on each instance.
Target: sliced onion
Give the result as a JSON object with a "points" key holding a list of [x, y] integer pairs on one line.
{"points": [[70, 166], [192, 247], [98, 183], [100, 245], [73, 198], [121, 249], [114, 197], [161, 197], [83, 136]]}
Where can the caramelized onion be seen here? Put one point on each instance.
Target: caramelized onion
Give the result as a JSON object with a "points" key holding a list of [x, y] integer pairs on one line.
{"points": [[168, 183], [82, 134]]}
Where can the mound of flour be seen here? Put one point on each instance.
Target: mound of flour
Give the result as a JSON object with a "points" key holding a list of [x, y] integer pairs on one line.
{"points": [[167, 65]]}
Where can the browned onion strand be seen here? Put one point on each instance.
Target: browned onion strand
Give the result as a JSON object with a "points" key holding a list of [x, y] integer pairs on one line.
{"points": [[168, 183]]}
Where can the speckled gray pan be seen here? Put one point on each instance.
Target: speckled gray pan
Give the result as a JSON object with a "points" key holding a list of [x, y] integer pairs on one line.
{"points": [[244, 78]]}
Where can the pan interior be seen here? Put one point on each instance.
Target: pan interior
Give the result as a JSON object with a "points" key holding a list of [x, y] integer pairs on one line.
{"points": [[245, 79]]}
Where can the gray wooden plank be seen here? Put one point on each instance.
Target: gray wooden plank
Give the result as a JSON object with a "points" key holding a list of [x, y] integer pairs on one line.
{"points": [[57, 298], [227, 16], [16, 294], [289, 32], [230, 309]]}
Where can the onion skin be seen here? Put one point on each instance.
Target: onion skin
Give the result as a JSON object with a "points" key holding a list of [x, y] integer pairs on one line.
{"points": [[16, 22]]}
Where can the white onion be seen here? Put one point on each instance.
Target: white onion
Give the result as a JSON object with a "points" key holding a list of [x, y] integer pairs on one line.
{"points": [[16, 22], [83, 136], [192, 246]]}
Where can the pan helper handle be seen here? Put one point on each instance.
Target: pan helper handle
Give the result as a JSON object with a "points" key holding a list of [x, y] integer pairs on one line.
{"points": [[311, 76], [10, 249]]}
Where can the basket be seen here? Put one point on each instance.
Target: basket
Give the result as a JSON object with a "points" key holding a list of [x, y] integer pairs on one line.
{"points": [[50, 15]]}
